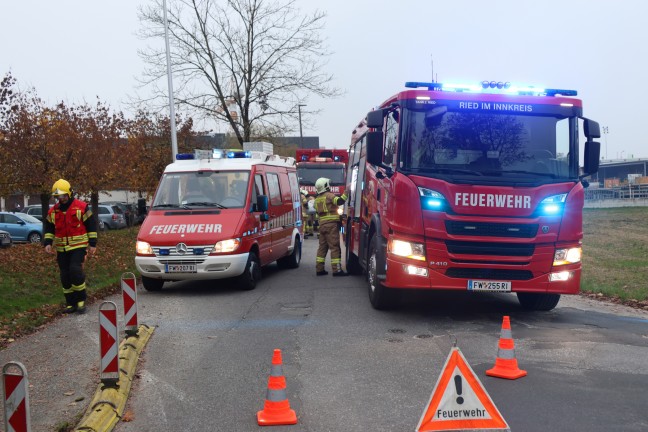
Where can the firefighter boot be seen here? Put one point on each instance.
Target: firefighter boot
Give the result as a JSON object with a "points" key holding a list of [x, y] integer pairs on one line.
{"points": [[80, 299], [70, 305]]}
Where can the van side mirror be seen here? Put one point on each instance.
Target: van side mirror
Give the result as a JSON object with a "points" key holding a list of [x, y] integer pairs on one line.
{"points": [[262, 203]]}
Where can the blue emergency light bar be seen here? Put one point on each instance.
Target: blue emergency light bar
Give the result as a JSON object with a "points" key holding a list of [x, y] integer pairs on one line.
{"points": [[491, 87], [184, 156], [239, 154]]}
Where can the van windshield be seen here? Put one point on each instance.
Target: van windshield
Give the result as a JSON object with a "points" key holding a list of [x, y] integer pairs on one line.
{"points": [[221, 189]]}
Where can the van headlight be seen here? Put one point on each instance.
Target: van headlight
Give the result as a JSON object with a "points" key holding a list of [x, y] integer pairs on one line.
{"points": [[143, 248], [407, 249], [227, 246]]}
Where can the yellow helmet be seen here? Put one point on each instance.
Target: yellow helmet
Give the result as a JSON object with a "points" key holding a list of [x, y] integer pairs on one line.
{"points": [[62, 187], [303, 191]]}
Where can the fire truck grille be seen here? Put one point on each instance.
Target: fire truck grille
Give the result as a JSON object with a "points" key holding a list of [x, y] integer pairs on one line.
{"points": [[488, 274], [486, 229], [183, 261], [489, 249]]}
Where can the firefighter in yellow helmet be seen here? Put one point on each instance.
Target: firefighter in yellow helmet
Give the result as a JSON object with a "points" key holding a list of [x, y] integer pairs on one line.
{"points": [[326, 205], [71, 231]]}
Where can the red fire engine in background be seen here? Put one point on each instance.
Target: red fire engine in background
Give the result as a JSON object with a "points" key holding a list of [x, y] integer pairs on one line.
{"points": [[470, 188], [315, 163]]}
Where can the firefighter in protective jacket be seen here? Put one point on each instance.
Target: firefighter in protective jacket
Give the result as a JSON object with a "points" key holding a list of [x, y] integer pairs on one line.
{"points": [[71, 231], [306, 217], [326, 205]]}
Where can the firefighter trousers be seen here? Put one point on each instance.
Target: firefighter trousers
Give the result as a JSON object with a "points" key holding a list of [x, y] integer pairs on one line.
{"points": [[72, 276], [329, 238]]}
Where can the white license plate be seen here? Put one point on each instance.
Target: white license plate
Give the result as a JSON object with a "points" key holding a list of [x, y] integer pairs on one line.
{"points": [[491, 286], [181, 268]]}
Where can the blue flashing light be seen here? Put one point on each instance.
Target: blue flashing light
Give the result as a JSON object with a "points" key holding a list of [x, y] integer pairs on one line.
{"points": [[198, 251], [432, 200], [164, 252], [553, 205], [239, 154], [336, 158], [184, 156], [492, 87], [304, 158]]}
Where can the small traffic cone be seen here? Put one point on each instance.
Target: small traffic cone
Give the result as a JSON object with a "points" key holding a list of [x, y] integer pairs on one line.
{"points": [[276, 409], [506, 365]]}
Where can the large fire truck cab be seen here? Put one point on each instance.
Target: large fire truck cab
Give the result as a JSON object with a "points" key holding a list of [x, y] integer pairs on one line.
{"points": [[315, 163], [471, 188], [221, 214]]}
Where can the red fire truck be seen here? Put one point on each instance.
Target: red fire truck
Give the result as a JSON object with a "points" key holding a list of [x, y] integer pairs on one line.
{"points": [[315, 163], [470, 188]]}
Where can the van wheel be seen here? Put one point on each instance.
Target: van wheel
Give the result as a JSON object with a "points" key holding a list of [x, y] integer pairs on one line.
{"points": [[151, 284], [292, 261], [251, 275], [538, 301], [381, 297], [352, 260]]}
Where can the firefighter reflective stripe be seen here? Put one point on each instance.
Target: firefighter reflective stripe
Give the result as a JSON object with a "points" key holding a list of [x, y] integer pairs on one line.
{"points": [[63, 244], [326, 207], [320, 259]]}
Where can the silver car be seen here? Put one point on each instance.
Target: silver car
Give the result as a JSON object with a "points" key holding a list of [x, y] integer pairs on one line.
{"points": [[111, 216]]}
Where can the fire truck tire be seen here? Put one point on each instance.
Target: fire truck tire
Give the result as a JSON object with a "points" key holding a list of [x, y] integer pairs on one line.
{"points": [[151, 284], [252, 274], [538, 301], [292, 261], [381, 297], [352, 261]]}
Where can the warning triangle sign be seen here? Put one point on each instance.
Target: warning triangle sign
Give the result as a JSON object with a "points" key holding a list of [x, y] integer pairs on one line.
{"points": [[459, 401]]}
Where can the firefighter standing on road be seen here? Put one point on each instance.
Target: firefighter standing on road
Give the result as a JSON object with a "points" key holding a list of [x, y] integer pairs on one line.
{"points": [[71, 230], [326, 204], [306, 217]]}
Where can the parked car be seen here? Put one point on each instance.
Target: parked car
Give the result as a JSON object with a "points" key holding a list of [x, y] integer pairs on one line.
{"points": [[34, 210], [112, 216], [22, 227], [129, 210], [5, 239]]}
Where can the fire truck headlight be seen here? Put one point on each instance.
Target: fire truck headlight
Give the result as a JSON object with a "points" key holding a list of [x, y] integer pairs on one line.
{"points": [[226, 246], [432, 200], [552, 205], [567, 256], [407, 249], [143, 248]]}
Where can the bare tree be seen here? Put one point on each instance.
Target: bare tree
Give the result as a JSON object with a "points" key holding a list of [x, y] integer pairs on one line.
{"points": [[247, 63]]}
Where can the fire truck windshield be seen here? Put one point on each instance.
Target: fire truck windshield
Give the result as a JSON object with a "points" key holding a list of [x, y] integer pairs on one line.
{"points": [[308, 174], [447, 143]]}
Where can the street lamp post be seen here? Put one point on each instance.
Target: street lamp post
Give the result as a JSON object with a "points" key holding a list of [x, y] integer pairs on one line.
{"points": [[301, 135], [174, 139], [605, 132]]}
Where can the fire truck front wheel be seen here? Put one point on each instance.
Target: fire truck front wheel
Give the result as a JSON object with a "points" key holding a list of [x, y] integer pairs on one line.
{"points": [[251, 275], [151, 284], [380, 296], [538, 301]]}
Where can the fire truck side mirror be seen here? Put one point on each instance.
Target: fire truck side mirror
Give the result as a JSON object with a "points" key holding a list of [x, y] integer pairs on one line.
{"points": [[592, 129], [592, 156], [375, 119], [375, 147]]}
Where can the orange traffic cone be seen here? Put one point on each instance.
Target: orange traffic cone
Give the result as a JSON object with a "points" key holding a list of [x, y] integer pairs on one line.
{"points": [[276, 409], [506, 366]]}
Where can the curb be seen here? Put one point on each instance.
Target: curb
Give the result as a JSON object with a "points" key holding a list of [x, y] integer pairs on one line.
{"points": [[108, 403]]}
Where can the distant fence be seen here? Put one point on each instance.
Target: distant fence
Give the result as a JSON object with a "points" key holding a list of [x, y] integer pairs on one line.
{"points": [[622, 196]]}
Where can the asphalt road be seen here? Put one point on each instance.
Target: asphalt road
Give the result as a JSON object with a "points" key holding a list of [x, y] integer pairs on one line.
{"points": [[348, 367], [351, 368]]}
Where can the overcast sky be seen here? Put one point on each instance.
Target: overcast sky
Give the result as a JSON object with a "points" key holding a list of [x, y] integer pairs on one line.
{"points": [[74, 50]]}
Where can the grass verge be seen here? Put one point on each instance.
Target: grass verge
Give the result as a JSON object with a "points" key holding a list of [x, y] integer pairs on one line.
{"points": [[31, 290]]}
